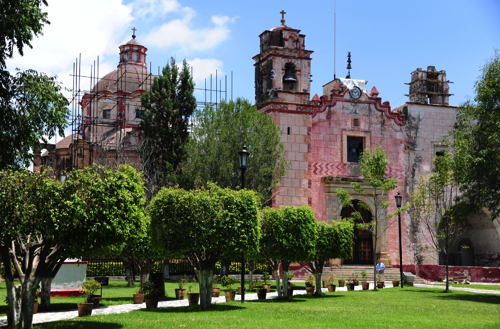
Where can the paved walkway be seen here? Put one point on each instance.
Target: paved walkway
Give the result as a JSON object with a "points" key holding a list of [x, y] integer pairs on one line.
{"points": [[63, 315], [481, 291]]}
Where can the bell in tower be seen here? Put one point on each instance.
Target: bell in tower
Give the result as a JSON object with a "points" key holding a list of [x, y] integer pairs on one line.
{"points": [[289, 75]]}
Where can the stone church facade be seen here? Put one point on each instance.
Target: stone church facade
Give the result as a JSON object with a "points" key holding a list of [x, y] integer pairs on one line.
{"points": [[324, 136]]}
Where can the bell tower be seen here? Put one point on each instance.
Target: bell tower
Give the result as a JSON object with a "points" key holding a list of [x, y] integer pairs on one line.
{"points": [[283, 67]]}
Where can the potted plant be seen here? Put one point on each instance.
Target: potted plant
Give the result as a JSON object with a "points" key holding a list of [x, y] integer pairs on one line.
{"points": [[193, 296], [85, 308], [355, 279], [309, 284], [380, 283], [227, 282], [395, 283], [151, 294], [350, 283], [239, 288], [331, 283], [261, 292], [179, 293], [364, 281], [215, 289], [35, 304], [89, 288], [139, 295], [266, 277], [341, 281]]}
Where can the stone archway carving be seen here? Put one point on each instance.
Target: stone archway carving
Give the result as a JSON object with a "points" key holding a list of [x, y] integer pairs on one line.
{"points": [[334, 207]]}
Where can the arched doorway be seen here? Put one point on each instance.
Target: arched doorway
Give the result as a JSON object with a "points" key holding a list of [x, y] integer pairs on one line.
{"points": [[362, 249]]}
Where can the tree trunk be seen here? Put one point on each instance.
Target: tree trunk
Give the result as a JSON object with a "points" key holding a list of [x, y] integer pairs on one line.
{"points": [[144, 276], [29, 287], [129, 268], [318, 273], [14, 297], [286, 267], [447, 257], [250, 277], [375, 243], [276, 269], [166, 271], [205, 278], [46, 287]]}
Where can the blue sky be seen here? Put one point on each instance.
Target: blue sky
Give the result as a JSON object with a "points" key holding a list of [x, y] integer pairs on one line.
{"points": [[388, 39]]}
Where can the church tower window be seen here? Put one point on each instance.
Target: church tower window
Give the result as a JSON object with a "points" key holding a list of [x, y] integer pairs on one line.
{"points": [[354, 148], [106, 114]]}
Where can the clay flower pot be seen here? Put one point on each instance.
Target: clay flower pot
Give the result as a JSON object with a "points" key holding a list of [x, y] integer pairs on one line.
{"points": [[267, 286], [331, 288], [151, 303], [395, 283], [341, 283], [310, 289], [356, 282], [85, 309], [350, 286], [138, 298], [325, 284], [380, 285], [193, 298], [94, 299], [261, 293], [35, 307], [215, 291], [179, 294], [229, 294], [239, 290], [365, 285], [290, 291]]}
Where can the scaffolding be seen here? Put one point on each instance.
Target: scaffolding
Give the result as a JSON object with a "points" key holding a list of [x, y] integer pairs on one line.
{"points": [[93, 132]]}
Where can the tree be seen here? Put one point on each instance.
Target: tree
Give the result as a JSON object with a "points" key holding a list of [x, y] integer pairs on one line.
{"points": [[373, 166], [31, 109], [433, 204], [203, 224], [332, 241], [288, 235], [46, 221], [19, 22], [218, 134], [476, 142], [169, 105]]}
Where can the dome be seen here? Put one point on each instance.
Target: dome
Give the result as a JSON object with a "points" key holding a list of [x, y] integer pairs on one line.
{"points": [[125, 78], [133, 42]]}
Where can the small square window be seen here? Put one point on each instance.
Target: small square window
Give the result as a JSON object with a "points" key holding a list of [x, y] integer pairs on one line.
{"points": [[355, 122], [139, 113], [354, 148], [106, 114]]}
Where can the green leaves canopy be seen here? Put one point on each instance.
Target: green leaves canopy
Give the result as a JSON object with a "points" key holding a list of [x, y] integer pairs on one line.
{"points": [[333, 240], [218, 134], [476, 142]]}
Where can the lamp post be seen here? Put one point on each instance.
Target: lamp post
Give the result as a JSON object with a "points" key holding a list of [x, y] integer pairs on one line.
{"points": [[244, 155], [398, 198]]}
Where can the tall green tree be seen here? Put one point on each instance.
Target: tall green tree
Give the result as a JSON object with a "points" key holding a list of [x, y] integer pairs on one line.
{"points": [[218, 134], [373, 167], [203, 224], [169, 105], [332, 241], [434, 206], [20, 21], [476, 142], [45, 221], [288, 236]]}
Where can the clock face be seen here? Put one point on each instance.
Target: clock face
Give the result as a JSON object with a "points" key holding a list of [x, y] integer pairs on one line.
{"points": [[355, 92]]}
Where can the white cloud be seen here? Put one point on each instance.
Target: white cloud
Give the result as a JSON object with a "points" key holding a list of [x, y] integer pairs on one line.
{"points": [[153, 8], [202, 68], [180, 33], [92, 28]]}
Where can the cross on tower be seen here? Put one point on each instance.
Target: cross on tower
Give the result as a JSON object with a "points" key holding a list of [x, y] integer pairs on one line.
{"points": [[133, 32], [282, 17]]}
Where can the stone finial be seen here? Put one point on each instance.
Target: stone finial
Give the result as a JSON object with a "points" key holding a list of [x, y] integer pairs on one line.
{"points": [[374, 92]]}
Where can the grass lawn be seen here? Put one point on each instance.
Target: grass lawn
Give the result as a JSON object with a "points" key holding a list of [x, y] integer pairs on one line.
{"points": [[116, 293], [388, 308], [471, 286]]}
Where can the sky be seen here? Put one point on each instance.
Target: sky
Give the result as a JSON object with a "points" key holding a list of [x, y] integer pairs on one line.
{"points": [[388, 39]]}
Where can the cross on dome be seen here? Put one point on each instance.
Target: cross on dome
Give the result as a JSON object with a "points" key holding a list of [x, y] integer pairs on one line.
{"points": [[133, 32], [282, 17]]}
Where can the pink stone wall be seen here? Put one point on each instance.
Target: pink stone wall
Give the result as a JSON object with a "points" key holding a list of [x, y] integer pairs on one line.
{"points": [[475, 273]]}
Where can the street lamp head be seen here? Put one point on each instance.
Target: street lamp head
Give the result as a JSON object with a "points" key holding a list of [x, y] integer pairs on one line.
{"points": [[244, 155], [398, 198]]}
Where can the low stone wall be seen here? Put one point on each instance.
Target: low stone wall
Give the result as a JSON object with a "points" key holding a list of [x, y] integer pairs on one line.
{"points": [[475, 273]]}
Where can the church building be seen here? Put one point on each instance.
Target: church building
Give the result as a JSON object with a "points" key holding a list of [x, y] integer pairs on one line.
{"points": [[326, 134]]}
